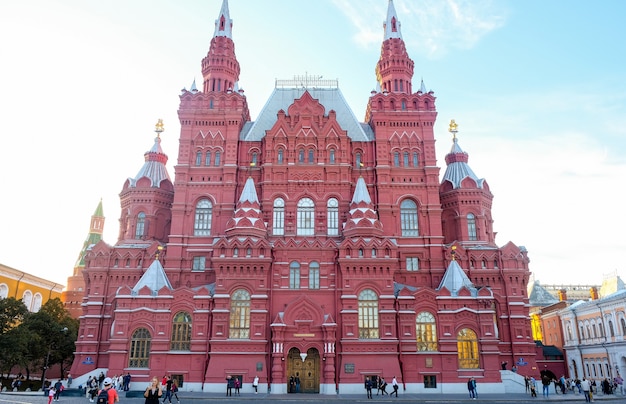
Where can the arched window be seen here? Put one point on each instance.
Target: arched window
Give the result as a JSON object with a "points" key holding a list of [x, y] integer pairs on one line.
{"points": [[198, 158], [357, 160], [467, 346], [611, 329], [405, 159], [471, 226], [207, 159], [139, 352], [396, 159], [202, 223], [27, 299], [408, 218], [332, 156], [623, 323], [294, 275], [569, 332], [37, 302], [280, 156], [240, 315], [305, 219], [254, 158], [314, 275], [218, 157], [332, 217], [368, 314], [181, 332], [311, 156], [415, 160], [301, 156], [426, 332], [141, 225], [4, 291], [278, 222]]}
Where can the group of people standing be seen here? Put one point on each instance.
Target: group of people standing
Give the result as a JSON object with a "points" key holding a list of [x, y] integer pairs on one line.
{"points": [[380, 385], [165, 390]]}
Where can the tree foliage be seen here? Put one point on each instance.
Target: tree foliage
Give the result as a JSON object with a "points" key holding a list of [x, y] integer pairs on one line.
{"points": [[34, 340]]}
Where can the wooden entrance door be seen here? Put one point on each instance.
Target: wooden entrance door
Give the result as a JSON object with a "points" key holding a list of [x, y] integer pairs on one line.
{"points": [[308, 371]]}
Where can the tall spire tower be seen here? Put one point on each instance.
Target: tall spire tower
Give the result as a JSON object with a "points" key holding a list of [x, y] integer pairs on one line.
{"points": [[220, 67], [394, 70], [73, 294]]}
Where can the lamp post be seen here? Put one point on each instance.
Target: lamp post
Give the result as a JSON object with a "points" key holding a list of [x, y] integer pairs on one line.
{"points": [[45, 368]]}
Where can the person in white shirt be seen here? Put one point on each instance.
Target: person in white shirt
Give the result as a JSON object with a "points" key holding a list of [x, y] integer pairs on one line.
{"points": [[585, 386], [394, 384]]}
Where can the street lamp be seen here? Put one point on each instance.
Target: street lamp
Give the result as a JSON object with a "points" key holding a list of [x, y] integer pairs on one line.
{"points": [[45, 368]]}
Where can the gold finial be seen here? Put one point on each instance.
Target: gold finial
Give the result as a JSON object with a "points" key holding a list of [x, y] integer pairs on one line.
{"points": [[158, 128], [159, 249], [453, 128], [453, 252]]}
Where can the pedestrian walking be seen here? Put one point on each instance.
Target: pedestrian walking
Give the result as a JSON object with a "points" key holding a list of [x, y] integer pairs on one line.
{"points": [[394, 384], [368, 387], [471, 388]]}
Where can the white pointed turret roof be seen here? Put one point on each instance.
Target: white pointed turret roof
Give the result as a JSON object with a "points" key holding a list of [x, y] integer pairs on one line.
{"points": [[224, 24], [154, 278], [391, 24], [361, 193], [455, 279]]}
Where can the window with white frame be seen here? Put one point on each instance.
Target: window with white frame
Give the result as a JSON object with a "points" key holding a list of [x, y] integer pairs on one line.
{"points": [[314, 275], [203, 217], [305, 217], [199, 263], [332, 217], [294, 275], [412, 264], [278, 220], [408, 218]]}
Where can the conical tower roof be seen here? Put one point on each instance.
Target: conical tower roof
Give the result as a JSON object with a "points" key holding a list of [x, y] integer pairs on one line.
{"points": [[247, 219], [362, 218]]}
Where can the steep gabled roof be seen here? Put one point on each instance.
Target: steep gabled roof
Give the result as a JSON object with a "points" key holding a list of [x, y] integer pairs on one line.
{"points": [[455, 280]]}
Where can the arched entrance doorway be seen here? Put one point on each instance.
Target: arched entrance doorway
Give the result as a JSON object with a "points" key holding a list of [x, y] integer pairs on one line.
{"points": [[303, 367]]}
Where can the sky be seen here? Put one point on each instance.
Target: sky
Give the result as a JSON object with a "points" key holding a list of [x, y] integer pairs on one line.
{"points": [[538, 89]]}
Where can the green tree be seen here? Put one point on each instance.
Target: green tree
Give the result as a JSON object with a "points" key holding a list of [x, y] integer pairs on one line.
{"points": [[13, 339], [52, 332]]}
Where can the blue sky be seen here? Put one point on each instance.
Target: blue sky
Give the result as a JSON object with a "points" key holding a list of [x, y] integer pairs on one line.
{"points": [[538, 89]]}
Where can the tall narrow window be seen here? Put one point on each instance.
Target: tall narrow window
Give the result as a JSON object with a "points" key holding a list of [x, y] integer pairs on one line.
{"points": [[332, 156], [467, 347], [4, 291], [408, 218], [358, 162], [218, 157], [314, 275], [396, 159], [305, 219], [405, 159], [311, 156], [471, 227], [278, 222], [301, 156], [27, 299], [198, 158], [280, 156], [254, 158], [611, 330], [368, 314], [181, 332], [207, 159], [623, 323], [202, 222], [240, 315], [139, 352], [415, 160], [426, 332], [294, 275], [332, 219], [141, 224], [37, 299]]}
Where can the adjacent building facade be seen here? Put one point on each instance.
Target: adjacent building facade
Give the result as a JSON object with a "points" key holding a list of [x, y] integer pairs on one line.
{"points": [[306, 245], [32, 290]]}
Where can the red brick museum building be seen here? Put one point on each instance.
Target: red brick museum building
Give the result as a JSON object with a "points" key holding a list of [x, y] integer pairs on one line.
{"points": [[306, 243]]}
